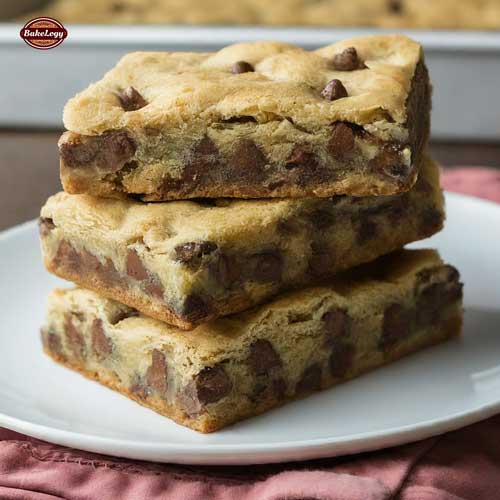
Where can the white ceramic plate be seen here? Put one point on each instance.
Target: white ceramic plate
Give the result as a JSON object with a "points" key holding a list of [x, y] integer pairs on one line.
{"points": [[431, 392]]}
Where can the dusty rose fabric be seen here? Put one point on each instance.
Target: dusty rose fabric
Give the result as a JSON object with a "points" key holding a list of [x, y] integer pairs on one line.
{"points": [[461, 465], [480, 182]]}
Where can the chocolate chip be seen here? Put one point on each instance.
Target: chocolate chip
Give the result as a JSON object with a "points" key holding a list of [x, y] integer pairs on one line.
{"points": [[67, 257], [395, 6], [263, 357], [192, 252], [135, 267], [45, 226], [109, 273], [90, 262], [287, 226], [321, 219], [212, 384], [300, 157], [265, 267], [390, 163], [311, 379], [74, 339], [341, 359], [203, 157], [241, 67], [334, 90], [195, 309], [131, 100], [341, 144], [266, 388], [367, 230], [156, 375], [431, 221], [246, 163], [336, 324], [51, 342], [101, 344], [109, 151], [279, 388], [397, 325], [347, 60], [117, 7], [209, 386], [433, 299], [225, 270], [321, 260], [154, 287], [138, 388]]}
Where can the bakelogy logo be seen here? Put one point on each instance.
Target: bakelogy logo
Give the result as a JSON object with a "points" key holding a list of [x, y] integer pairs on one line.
{"points": [[43, 33]]}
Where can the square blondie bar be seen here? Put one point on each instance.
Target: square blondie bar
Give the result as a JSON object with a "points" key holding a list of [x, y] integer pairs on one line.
{"points": [[254, 120], [245, 364], [188, 262]]}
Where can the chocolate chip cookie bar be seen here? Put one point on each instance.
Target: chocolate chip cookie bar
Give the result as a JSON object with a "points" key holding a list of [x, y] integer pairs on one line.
{"points": [[246, 364], [187, 262], [254, 120]]}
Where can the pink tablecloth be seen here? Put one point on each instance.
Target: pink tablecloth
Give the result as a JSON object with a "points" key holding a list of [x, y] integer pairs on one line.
{"points": [[462, 465]]}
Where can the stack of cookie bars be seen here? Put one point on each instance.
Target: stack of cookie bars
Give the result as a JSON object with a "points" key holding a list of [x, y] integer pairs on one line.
{"points": [[230, 218]]}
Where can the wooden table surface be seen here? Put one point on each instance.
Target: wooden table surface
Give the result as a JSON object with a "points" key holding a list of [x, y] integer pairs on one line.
{"points": [[29, 169]]}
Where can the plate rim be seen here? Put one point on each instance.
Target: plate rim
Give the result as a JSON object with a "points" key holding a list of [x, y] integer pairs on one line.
{"points": [[252, 453]]}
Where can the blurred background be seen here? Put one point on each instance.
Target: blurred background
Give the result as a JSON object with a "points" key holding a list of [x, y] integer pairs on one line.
{"points": [[461, 39]]}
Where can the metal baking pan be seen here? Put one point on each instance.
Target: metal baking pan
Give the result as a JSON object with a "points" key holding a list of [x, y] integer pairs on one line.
{"points": [[35, 84]]}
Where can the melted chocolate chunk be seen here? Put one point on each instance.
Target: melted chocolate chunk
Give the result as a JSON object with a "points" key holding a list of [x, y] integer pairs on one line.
{"points": [[67, 257], [154, 287], [224, 270], [192, 252], [199, 166], [109, 273], [195, 309], [138, 388], [347, 60], [311, 379], [74, 339], [131, 100], [334, 90], [397, 325], [266, 266], [301, 157], [109, 151], [436, 297], [321, 260], [395, 6], [341, 359], [52, 342], [390, 163], [263, 357], [241, 67], [209, 386], [321, 219], [156, 375], [287, 226], [431, 221], [101, 344], [45, 226], [336, 324], [367, 230], [246, 164], [135, 267], [341, 144]]}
